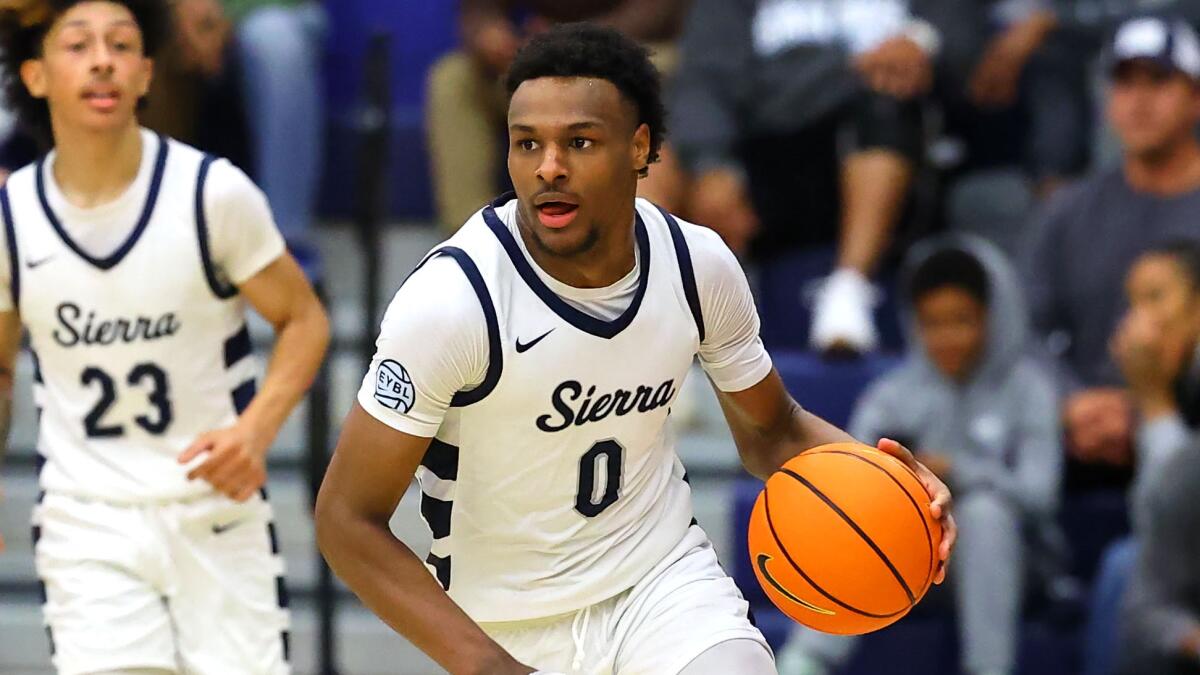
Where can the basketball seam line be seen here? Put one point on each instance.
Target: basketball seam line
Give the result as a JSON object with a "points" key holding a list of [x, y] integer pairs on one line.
{"points": [[788, 556], [920, 516], [865, 537]]}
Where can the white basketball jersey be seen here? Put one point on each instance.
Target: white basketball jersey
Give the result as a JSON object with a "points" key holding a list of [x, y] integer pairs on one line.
{"points": [[555, 484], [136, 354]]}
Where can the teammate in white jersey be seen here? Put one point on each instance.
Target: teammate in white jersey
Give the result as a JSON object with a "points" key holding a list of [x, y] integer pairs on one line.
{"points": [[130, 259], [525, 372]]}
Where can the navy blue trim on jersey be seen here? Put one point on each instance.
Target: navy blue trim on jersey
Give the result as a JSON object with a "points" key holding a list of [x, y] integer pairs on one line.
{"points": [[160, 165], [238, 347], [243, 394], [581, 320], [282, 597], [441, 459], [281, 592], [36, 533], [37, 368], [436, 513], [441, 569], [495, 350], [687, 273], [273, 537], [10, 236], [220, 289]]}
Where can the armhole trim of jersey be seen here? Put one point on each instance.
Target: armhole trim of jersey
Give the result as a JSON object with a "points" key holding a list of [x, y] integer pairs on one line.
{"points": [[10, 235], [495, 352], [686, 272], [219, 289]]}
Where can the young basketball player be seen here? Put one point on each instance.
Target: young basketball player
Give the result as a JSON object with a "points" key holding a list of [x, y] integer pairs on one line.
{"points": [[130, 260], [525, 374]]}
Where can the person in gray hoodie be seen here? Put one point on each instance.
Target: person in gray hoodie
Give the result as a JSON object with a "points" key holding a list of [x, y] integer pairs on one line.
{"points": [[983, 414]]}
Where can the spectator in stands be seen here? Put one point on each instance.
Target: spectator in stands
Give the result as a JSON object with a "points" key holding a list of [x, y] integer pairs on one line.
{"points": [[1032, 82], [1158, 347], [1087, 236], [1026, 104], [983, 415], [799, 121], [278, 45], [466, 110]]}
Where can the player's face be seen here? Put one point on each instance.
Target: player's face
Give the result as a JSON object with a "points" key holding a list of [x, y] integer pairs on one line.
{"points": [[92, 70], [953, 328], [1152, 109], [575, 149], [1159, 288]]}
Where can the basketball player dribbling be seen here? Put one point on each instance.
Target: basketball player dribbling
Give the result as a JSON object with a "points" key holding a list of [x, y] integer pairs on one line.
{"points": [[130, 259], [525, 372]]}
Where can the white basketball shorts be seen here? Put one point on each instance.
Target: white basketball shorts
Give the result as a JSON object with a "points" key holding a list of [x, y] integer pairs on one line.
{"points": [[191, 587], [682, 608]]}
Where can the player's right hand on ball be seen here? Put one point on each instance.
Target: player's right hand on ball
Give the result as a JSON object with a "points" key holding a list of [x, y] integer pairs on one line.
{"points": [[939, 496], [236, 464]]}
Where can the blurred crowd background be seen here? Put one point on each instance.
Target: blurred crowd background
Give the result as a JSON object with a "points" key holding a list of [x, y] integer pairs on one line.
{"points": [[971, 225]]}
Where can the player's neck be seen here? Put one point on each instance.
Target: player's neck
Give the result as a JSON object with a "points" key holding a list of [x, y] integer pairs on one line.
{"points": [[91, 168]]}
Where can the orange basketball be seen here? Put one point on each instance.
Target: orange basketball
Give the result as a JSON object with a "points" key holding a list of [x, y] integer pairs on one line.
{"points": [[842, 540]]}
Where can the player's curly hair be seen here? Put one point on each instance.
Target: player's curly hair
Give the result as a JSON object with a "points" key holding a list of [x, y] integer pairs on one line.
{"points": [[23, 28], [588, 50]]}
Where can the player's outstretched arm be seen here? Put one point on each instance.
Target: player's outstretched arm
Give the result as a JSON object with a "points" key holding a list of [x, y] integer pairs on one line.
{"points": [[10, 344], [236, 463], [371, 469], [770, 428]]}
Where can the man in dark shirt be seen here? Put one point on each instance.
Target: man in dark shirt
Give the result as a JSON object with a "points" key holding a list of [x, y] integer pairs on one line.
{"points": [[1089, 234]]}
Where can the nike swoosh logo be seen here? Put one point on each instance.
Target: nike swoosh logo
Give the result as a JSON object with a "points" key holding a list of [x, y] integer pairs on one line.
{"points": [[221, 529], [31, 264], [523, 347], [763, 559]]}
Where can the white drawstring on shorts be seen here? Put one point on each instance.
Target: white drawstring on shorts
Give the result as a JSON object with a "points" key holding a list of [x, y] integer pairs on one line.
{"points": [[579, 629]]}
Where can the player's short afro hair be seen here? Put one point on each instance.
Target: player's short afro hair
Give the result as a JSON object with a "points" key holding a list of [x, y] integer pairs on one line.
{"points": [[23, 27], [588, 50]]}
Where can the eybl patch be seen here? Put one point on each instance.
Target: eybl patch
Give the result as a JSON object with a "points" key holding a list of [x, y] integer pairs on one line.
{"points": [[393, 386]]}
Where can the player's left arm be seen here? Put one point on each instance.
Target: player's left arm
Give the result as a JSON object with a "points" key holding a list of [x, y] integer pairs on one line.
{"points": [[236, 463], [768, 426]]}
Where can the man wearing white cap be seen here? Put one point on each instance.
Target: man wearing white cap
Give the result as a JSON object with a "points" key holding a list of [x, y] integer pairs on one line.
{"points": [[1089, 234]]}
